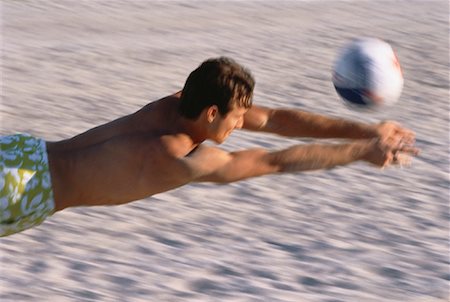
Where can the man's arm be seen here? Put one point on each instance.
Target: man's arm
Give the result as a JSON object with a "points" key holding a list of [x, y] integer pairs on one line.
{"points": [[296, 123], [214, 165]]}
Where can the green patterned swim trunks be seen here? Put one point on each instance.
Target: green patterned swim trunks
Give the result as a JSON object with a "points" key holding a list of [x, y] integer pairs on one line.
{"points": [[26, 196]]}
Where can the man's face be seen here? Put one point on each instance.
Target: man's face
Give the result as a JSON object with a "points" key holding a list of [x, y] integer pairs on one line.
{"points": [[224, 125]]}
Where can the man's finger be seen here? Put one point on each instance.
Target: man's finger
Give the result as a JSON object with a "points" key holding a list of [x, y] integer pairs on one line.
{"points": [[411, 150], [394, 142], [407, 136], [402, 159]]}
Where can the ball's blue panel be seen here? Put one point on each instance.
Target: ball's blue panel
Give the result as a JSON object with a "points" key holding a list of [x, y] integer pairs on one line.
{"points": [[354, 96]]}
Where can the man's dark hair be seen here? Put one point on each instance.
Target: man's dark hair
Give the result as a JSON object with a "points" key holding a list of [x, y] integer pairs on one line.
{"points": [[219, 81]]}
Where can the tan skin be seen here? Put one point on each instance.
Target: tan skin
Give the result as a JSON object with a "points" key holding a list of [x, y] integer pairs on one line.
{"points": [[155, 150]]}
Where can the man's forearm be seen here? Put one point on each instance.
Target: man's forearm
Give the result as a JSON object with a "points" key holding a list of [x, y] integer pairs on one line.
{"points": [[295, 123], [319, 156]]}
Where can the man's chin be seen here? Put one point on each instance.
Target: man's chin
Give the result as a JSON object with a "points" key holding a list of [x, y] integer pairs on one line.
{"points": [[219, 141]]}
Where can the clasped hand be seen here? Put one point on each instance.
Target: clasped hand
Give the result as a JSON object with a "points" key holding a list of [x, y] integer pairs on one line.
{"points": [[394, 145]]}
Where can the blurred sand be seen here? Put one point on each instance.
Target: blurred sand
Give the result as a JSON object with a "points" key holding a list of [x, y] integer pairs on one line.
{"points": [[349, 234]]}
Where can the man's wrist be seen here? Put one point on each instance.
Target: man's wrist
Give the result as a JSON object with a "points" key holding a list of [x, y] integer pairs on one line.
{"points": [[368, 131], [360, 149]]}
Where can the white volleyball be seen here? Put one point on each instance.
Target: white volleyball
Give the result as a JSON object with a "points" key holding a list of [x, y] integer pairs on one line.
{"points": [[367, 74]]}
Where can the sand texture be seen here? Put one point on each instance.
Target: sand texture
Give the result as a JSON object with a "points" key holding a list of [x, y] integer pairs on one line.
{"points": [[349, 234]]}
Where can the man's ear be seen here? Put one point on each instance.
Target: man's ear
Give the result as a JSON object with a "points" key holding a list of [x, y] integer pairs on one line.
{"points": [[211, 113]]}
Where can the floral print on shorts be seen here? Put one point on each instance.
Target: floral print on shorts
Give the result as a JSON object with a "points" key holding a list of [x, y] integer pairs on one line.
{"points": [[26, 196]]}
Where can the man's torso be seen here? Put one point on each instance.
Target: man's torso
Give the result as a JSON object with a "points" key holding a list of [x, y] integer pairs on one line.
{"points": [[138, 161]]}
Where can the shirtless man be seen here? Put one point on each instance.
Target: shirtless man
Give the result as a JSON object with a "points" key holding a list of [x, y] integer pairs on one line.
{"points": [[158, 148]]}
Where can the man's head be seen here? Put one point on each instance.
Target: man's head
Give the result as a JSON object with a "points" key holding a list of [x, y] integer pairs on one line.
{"points": [[219, 82]]}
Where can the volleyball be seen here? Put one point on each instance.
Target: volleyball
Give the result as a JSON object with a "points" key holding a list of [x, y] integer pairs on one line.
{"points": [[367, 74]]}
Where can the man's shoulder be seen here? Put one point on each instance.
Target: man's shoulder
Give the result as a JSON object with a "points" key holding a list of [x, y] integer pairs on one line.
{"points": [[168, 101], [207, 156]]}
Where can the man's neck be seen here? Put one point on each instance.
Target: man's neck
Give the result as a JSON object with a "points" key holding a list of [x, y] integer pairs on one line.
{"points": [[192, 128]]}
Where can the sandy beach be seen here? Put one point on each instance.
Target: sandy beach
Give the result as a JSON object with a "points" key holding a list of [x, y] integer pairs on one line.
{"points": [[354, 233]]}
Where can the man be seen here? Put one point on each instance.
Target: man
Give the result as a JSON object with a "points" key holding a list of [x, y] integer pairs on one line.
{"points": [[158, 148]]}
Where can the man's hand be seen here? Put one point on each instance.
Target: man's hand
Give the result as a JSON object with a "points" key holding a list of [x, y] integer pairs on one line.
{"points": [[391, 151], [390, 132]]}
